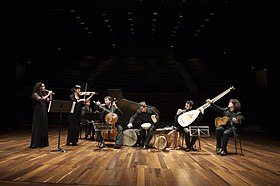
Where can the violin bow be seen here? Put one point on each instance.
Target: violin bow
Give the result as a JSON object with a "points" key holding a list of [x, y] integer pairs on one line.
{"points": [[85, 91]]}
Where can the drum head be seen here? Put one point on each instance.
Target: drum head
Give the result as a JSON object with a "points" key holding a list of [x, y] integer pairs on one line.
{"points": [[161, 142], [146, 126], [129, 137]]}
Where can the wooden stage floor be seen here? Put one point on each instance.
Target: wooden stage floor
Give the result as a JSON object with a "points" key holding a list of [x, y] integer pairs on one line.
{"points": [[86, 164]]}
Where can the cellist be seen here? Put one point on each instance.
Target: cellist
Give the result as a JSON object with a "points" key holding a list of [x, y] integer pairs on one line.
{"points": [[110, 118]]}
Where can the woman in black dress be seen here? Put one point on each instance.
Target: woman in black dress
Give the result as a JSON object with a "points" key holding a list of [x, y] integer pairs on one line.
{"points": [[40, 97], [74, 118]]}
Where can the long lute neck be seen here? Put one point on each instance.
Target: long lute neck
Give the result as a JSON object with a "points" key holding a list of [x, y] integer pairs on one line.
{"points": [[206, 105]]}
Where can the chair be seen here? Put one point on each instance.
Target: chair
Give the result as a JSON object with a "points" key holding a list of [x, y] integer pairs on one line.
{"points": [[237, 138], [82, 129]]}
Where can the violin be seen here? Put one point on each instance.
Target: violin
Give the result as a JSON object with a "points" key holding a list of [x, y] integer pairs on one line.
{"points": [[87, 93]]}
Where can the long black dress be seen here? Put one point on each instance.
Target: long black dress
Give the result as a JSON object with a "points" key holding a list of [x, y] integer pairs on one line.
{"points": [[74, 121], [39, 136]]}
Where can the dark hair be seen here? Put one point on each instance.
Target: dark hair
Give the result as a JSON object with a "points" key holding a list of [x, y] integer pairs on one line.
{"points": [[190, 102], [236, 104], [37, 89], [75, 87], [108, 97]]}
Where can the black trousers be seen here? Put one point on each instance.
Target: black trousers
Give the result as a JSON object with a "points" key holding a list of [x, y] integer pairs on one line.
{"points": [[146, 136], [222, 136]]}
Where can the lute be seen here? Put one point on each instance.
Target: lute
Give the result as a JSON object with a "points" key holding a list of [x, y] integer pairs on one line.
{"points": [[188, 117]]}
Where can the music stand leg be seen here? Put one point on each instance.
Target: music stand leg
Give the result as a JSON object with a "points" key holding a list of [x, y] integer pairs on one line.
{"points": [[57, 149], [199, 139], [58, 144], [199, 143]]}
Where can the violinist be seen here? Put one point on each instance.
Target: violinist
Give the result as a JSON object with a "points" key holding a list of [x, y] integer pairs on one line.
{"points": [[74, 118], [110, 118]]}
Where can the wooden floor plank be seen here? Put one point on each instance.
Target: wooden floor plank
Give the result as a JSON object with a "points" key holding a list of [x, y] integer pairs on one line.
{"points": [[86, 164]]}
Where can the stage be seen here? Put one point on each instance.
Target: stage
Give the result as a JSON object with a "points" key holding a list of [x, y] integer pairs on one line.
{"points": [[86, 164]]}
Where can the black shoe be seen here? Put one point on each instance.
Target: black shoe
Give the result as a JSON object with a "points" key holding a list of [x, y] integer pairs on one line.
{"points": [[102, 145], [193, 149], [145, 147], [117, 146], [223, 153], [218, 151], [188, 149]]}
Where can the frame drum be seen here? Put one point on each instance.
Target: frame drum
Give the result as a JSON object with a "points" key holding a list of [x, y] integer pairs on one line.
{"points": [[161, 142], [130, 137]]}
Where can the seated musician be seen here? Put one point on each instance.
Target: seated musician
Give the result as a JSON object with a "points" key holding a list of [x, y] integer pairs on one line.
{"points": [[90, 132], [234, 118], [110, 113], [189, 142], [146, 115]]}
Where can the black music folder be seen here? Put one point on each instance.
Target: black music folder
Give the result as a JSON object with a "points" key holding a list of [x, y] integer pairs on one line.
{"points": [[92, 116]]}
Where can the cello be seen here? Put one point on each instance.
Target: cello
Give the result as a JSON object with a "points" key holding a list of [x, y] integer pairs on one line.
{"points": [[111, 118]]}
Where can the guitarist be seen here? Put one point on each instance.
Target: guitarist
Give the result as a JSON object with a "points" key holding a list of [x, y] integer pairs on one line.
{"points": [[223, 132], [189, 142], [146, 115]]}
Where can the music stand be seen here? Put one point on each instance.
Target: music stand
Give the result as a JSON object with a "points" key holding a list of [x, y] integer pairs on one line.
{"points": [[60, 106], [199, 131], [92, 116]]}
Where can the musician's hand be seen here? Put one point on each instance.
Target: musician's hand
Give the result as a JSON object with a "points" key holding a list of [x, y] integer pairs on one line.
{"points": [[209, 101], [179, 111], [115, 105], [201, 110], [97, 103], [153, 117], [129, 125], [235, 120]]}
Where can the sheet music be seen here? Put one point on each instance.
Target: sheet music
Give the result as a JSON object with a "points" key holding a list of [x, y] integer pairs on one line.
{"points": [[50, 104], [200, 131], [73, 107]]}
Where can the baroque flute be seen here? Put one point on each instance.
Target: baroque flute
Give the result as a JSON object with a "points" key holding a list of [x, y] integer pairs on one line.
{"points": [[50, 90]]}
